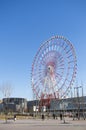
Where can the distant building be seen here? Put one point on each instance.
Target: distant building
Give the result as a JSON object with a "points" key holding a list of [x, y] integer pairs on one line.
{"points": [[69, 104], [1, 107], [15, 104], [21, 105], [32, 105]]}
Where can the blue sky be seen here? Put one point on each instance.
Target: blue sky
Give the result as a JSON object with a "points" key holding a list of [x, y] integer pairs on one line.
{"points": [[25, 25]]}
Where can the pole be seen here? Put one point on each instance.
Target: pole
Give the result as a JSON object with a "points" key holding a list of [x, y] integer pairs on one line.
{"points": [[77, 88]]}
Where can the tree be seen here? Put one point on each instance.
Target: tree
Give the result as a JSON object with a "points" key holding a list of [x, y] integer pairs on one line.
{"points": [[6, 89]]}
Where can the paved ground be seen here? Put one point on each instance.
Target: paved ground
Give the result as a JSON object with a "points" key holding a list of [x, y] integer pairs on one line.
{"points": [[47, 124]]}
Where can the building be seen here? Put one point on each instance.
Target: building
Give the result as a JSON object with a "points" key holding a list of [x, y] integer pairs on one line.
{"points": [[15, 104], [21, 105], [1, 106], [32, 105], [69, 104]]}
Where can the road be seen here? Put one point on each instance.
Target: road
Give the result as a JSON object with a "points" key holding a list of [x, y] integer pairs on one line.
{"points": [[47, 124]]}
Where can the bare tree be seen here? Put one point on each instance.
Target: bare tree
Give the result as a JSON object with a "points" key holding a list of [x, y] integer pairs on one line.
{"points": [[6, 89]]}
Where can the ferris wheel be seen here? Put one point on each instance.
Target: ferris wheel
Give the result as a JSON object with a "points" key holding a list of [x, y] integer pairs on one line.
{"points": [[54, 69]]}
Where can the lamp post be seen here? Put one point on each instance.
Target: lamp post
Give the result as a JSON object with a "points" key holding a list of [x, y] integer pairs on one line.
{"points": [[78, 99]]}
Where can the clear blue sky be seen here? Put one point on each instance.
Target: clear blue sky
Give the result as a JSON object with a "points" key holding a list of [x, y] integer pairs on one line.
{"points": [[25, 25]]}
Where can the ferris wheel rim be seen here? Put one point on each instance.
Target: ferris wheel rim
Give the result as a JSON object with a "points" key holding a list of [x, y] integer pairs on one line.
{"points": [[73, 51]]}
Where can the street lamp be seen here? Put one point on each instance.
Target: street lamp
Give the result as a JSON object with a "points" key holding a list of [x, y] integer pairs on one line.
{"points": [[77, 88]]}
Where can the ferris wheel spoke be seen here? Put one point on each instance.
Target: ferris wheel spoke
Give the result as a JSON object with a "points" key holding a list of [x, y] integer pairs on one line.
{"points": [[65, 47], [69, 56], [59, 76], [60, 60], [70, 62], [60, 65]]}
